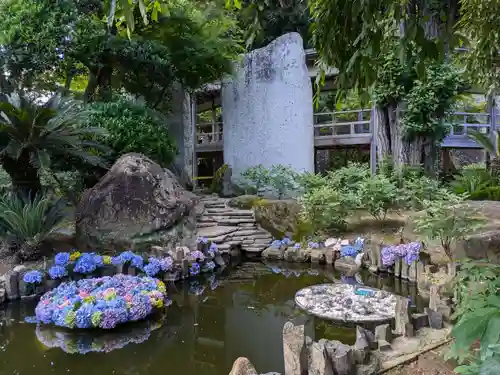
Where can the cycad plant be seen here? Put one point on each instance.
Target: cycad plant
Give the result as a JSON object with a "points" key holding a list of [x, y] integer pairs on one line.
{"points": [[25, 224], [33, 133], [492, 147]]}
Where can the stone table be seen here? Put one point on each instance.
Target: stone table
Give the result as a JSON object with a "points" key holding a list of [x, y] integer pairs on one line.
{"points": [[339, 302]]}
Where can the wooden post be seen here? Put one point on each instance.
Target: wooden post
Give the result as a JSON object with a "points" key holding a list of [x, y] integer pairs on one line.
{"points": [[492, 110], [194, 140], [373, 143]]}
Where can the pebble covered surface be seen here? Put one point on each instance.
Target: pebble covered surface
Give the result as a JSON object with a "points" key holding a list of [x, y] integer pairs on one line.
{"points": [[339, 302]]}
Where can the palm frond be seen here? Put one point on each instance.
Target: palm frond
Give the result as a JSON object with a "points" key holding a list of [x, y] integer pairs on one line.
{"points": [[485, 141]]}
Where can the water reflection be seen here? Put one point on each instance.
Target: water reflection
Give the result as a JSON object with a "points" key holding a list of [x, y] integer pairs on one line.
{"points": [[210, 323]]}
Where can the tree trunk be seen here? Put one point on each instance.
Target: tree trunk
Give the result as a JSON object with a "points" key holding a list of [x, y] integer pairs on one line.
{"points": [[25, 179], [91, 88], [104, 83], [384, 149]]}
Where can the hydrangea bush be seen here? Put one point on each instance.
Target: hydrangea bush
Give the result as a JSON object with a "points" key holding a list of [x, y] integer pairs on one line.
{"points": [[409, 252], [103, 302], [68, 265]]}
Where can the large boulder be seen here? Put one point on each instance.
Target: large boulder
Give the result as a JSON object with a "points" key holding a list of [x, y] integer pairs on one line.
{"points": [[278, 217], [484, 244], [137, 204]]}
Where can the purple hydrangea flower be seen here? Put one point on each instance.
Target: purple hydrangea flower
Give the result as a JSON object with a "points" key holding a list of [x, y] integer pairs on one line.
{"points": [[202, 240], [166, 264], [196, 254], [33, 277]]}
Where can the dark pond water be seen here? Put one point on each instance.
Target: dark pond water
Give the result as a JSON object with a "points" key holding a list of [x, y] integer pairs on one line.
{"points": [[210, 323]]}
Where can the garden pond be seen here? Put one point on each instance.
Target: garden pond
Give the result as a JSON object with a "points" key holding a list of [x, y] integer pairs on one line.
{"points": [[210, 323]]}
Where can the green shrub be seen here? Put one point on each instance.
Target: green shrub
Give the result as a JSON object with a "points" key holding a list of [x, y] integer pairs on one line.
{"points": [[348, 178], [447, 219], [282, 179], [472, 179], [489, 193], [415, 191], [132, 127], [255, 180], [377, 194], [308, 181], [325, 209], [25, 224]]}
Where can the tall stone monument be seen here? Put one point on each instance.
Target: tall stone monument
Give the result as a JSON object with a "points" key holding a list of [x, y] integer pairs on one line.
{"points": [[267, 108]]}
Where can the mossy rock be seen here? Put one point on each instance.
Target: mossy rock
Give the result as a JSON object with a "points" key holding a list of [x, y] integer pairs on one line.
{"points": [[246, 202]]}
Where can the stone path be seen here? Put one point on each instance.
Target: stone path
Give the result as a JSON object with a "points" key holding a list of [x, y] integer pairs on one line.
{"points": [[231, 227], [339, 302]]}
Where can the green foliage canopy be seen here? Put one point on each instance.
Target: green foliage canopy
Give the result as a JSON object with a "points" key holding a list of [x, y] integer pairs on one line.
{"points": [[132, 127]]}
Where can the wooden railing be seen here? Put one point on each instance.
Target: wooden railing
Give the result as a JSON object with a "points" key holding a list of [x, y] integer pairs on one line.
{"points": [[342, 124], [463, 122], [356, 125], [209, 138]]}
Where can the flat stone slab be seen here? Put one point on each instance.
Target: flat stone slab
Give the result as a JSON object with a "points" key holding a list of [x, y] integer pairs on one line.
{"points": [[339, 302], [216, 231]]}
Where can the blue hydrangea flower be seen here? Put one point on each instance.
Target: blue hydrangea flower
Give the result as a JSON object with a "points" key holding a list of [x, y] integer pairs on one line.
{"points": [[84, 316], [286, 241], [297, 246], [57, 272], [194, 269], [85, 264], [276, 244], [313, 245], [213, 247], [98, 260], [137, 261], [62, 259], [153, 267], [33, 277]]}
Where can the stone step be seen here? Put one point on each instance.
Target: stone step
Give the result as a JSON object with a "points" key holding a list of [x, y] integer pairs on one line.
{"points": [[212, 206], [228, 212], [225, 220]]}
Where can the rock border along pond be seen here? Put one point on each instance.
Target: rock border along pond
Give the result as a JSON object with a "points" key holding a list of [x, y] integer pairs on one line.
{"points": [[340, 302]]}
